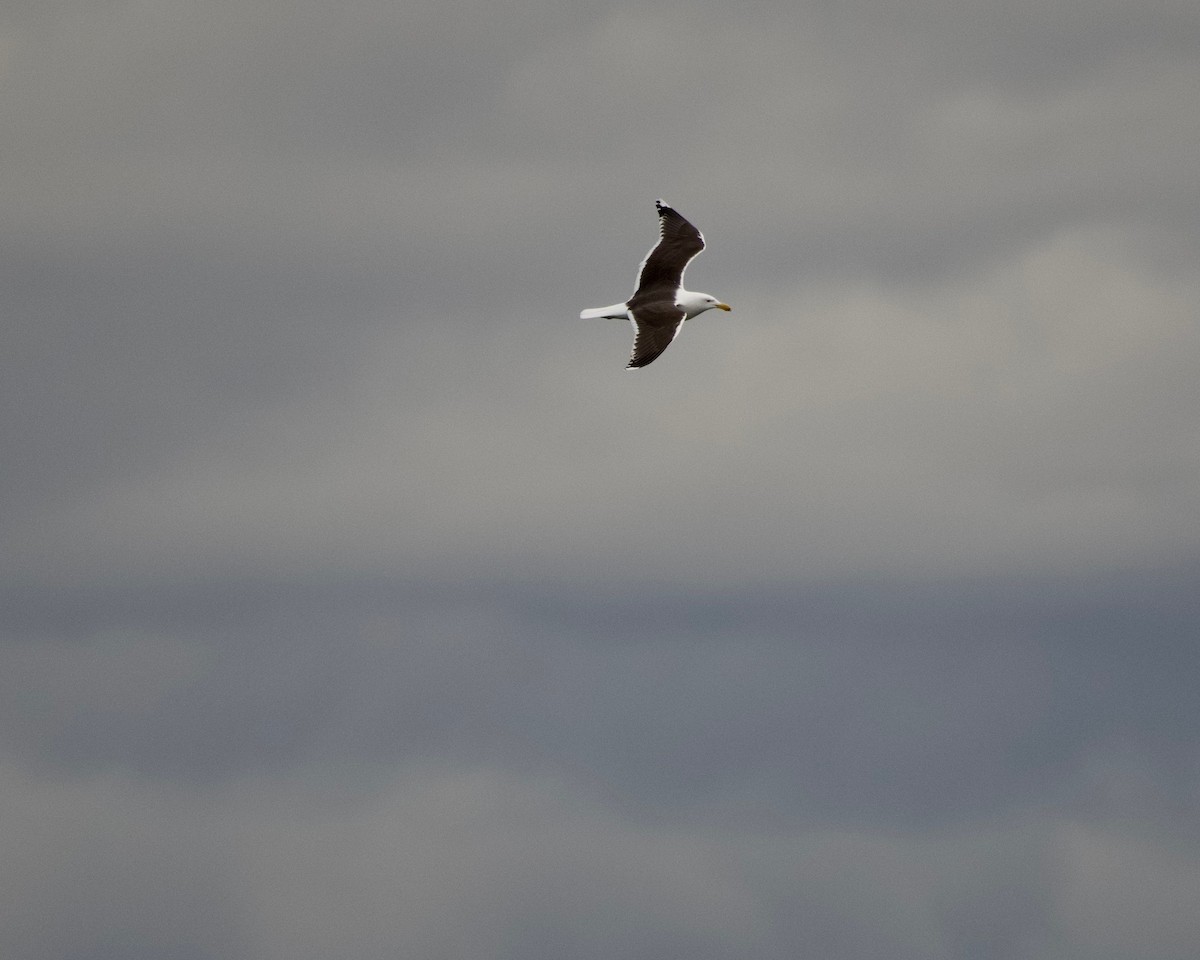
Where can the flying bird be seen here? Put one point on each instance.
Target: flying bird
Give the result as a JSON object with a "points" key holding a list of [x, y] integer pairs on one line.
{"points": [[660, 305]]}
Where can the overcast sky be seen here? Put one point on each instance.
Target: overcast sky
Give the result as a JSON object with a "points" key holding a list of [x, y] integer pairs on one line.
{"points": [[357, 603]]}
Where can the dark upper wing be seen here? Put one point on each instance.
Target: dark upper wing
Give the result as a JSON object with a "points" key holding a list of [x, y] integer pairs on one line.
{"points": [[662, 270], [655, 326]]}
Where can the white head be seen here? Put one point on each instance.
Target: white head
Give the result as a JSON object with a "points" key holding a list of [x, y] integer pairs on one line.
{"points": [[695, 303]]}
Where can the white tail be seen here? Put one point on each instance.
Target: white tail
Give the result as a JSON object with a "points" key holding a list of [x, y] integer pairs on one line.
{"points": [[615, 312]]}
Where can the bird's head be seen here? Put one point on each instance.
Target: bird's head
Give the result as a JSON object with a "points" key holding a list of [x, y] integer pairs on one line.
{"points": [[696, 303]]}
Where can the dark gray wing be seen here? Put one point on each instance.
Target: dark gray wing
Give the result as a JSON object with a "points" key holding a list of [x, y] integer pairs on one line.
{"points": [[661, 273], [654, 326]]}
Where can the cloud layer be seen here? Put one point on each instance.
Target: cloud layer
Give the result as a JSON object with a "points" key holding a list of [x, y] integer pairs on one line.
{"points": [[356, 602]]}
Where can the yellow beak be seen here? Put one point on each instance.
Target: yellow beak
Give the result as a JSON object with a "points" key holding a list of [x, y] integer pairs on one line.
{"points": [[723, 306]]}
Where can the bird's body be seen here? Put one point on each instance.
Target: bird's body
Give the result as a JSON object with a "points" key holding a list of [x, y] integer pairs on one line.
{"points": [[660, 304]]}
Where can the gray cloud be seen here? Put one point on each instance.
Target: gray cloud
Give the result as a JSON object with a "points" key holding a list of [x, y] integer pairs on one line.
{"points": [[357, 602], [480, 864]]}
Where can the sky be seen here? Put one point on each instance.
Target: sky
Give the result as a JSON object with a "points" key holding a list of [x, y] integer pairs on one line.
{"points": [[356, 602]]}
